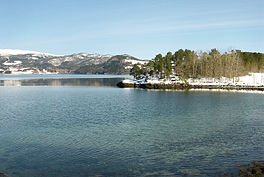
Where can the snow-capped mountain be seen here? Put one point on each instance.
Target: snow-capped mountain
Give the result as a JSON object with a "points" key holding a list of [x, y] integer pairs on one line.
{"points": [[30, 62], [8, 52]]}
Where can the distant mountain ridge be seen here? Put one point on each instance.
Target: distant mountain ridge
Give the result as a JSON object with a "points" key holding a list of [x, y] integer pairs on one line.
{"points": [[30, 62], [8, 52]]}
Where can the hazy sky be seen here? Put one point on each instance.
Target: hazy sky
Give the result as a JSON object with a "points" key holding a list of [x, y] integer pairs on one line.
{"points": [[142, 28]]}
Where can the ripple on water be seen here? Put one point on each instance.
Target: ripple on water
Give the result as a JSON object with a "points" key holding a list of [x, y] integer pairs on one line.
{"points": [[80, 131]]}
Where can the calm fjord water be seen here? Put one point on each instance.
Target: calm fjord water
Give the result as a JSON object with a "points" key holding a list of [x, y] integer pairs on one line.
{"points": [[93, 130]]}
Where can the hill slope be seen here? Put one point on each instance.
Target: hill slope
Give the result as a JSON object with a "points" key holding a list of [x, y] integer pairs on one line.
{"points": [[27, 62]]}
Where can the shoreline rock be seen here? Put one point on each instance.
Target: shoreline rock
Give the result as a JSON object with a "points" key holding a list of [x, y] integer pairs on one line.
{"points": [[183, 86]]}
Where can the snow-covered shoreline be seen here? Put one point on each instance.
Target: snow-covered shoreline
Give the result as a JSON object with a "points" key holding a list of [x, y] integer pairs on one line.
{"points": [[211, 90], [253, 81]]}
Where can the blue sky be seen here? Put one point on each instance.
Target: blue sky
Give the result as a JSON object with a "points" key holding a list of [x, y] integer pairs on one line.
{"points": [[142, 28]]}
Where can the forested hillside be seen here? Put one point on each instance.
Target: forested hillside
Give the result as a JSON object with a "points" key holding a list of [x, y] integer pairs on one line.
{"points": [[119, 64]]}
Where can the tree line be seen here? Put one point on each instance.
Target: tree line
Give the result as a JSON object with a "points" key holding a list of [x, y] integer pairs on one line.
{"points": [[190, 64]]}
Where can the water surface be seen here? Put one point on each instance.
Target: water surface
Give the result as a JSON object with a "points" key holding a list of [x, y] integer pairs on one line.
{"points": [[61, 80], [91, 130]]}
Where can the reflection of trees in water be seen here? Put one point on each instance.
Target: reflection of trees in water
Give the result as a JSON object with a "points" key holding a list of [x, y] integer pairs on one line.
{"points": [[63, 82]]}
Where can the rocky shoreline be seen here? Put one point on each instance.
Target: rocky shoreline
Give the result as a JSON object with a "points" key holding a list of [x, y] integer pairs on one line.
{"points": [[184, 86], [3, 175]]}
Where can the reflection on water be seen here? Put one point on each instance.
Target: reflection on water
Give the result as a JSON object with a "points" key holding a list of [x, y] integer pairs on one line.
{"points": [[60, 76], [63, 82]]}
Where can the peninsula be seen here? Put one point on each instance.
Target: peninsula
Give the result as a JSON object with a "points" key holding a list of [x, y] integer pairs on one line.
{"points": [[186, 69]]}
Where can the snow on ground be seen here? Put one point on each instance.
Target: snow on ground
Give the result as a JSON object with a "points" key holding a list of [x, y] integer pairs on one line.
{"points": [[107, 56], [154, 81], [253, 79], [34, 58], [22, 72], [135, 61], [129, 81], [14, 63], [16, 71], [93, 55], [128, 67], [55, 62], [229, 91]]}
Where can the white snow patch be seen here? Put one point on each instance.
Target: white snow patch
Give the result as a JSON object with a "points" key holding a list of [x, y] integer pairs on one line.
{"points": [[253, 79], [34, 58], [107, 56], [55, 62], [135, 61], [154, 81], [129, 81], [11, 64], [128, 67]]}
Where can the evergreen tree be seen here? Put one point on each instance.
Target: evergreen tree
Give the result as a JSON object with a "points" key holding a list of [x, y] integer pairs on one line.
{"points": [[189, 64]]}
